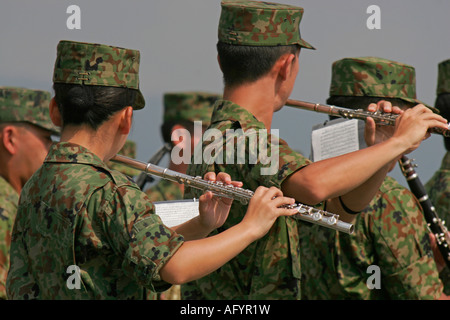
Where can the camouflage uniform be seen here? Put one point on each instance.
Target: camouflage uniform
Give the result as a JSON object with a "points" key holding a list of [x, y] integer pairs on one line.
{"points": [[438, 187], [75, 212], [391, 233], [270, 267], [17, 105], [9, 198]]}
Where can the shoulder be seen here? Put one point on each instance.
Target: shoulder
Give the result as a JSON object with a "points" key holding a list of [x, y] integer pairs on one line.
{"points": [[9, 200]]}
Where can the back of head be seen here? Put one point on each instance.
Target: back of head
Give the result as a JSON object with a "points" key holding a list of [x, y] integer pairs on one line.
{"points": [[186, 107], [357, 82], [253, 35], [442, 102], [26, 105], [93, 81]]}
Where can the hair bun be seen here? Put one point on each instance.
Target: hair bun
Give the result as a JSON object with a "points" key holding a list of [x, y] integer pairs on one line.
{"points": [[80, 97]]}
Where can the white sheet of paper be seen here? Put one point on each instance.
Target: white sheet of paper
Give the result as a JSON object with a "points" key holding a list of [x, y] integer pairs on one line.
{"points": [[175, 212], [335, 138]]}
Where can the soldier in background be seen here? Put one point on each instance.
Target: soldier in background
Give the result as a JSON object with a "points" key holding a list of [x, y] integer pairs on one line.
{"points": [[391, 234], [438, 187], [25, 138], [181, 109], [258, 52]]}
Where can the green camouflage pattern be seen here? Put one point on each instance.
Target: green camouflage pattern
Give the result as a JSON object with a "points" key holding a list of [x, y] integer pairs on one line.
{"points": [[76, 211], [128, 150], [443, 85], [268, 268], [26, 105], [98, 65], [164, 190], [254, 23], [390, 233], [189, 106], [375, 77], [9, 198], [438, 189]]}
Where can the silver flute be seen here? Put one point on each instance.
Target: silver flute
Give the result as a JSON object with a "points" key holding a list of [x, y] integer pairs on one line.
{"points": [[305, 213], [378, 116]]}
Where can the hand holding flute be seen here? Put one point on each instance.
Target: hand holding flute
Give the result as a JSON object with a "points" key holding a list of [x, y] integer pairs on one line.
{"points": [[412, 125], [380, 113]]}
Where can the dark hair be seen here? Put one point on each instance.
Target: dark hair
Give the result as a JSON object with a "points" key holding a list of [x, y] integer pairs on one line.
{"points": [[442, 103], [91, 105], [243, 64]]}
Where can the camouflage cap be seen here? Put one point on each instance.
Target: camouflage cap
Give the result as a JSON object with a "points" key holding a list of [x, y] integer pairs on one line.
{"points": [[374, 77], [443, 77], [255, 23], [98, 65], [26, 105], [128, 150], [190, 106]]}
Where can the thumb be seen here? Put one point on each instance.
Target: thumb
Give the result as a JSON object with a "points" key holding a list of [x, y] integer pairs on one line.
{"points": [[369, 131]]}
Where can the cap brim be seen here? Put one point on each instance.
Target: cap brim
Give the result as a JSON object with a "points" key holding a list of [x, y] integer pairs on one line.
{"points": [[306, 45], [139, 103], [421, 102]]}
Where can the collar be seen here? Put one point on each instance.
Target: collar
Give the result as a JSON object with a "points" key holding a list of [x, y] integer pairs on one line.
{"points": [[66, 152], [225, 110]]}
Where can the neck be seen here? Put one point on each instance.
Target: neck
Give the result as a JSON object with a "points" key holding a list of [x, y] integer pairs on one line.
{"points": [[102, 142], [260, 98]]}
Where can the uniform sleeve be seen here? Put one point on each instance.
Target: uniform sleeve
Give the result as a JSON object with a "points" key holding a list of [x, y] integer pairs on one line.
{"points": [[6, 225], [402, 246], [140, 237]]}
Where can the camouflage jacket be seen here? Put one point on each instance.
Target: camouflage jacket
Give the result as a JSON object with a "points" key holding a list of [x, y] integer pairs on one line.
{"points": [[9, 198], [438, 189], [76, 212], [270, 267], [391, 234], [164, 190]]}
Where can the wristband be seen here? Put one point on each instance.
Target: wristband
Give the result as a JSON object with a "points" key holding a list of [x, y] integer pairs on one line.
{"points": [[346, 209]]}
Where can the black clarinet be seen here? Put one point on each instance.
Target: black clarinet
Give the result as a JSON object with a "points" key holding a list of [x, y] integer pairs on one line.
{"points": [[436, 225]]}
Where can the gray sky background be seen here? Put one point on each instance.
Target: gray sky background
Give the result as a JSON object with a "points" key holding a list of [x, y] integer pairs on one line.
{"points": [[177, 41]]}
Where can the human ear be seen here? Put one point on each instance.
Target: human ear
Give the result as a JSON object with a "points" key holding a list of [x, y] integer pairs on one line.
{"points": [[126, 120], [55, 115]]}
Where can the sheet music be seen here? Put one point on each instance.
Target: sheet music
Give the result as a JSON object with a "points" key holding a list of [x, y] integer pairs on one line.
{"points": [[175, 212], [336, 137]]}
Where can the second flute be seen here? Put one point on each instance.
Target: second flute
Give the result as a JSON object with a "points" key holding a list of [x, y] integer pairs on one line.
{"points": [[305, 213], [378, 117]]}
